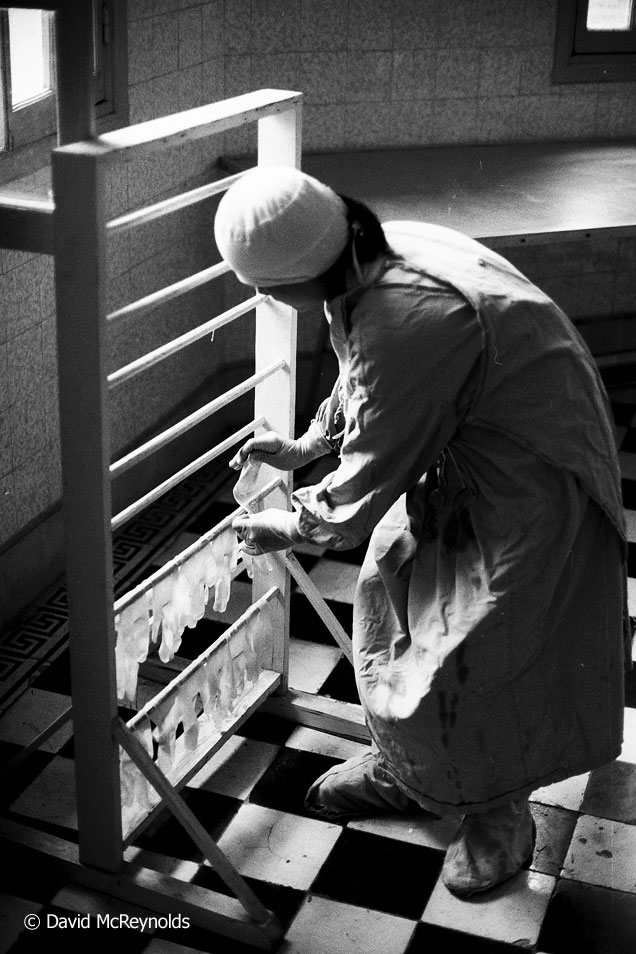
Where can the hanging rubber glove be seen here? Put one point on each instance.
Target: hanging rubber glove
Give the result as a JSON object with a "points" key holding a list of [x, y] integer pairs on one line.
{"points": [[267, 531], [282, 452]]}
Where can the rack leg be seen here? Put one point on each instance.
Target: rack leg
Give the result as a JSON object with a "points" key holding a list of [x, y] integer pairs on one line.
{"points": [[256, 910], [79, 173]]}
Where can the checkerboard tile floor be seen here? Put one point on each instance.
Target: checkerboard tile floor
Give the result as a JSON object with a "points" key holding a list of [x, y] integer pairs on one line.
{"points": [[366, 887]]}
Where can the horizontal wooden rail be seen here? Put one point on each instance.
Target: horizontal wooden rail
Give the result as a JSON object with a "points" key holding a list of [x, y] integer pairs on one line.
{"points": [[26, 224], [148, 302], [151, 212], [198, 544], [134, 508], [124, 463], [135, 141], [177, 344], [345, 719]]}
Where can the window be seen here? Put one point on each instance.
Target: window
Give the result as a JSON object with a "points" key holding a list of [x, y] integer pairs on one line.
{"points": [[595, 41], [27, 72], [27, 76]]}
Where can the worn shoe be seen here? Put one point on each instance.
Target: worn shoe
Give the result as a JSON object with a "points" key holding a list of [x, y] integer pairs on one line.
{"points": [[489, 848], [357, 787]]}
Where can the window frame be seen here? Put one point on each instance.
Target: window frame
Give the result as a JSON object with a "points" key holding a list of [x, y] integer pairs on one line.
{"points": [[31, 128], [590, 56]]}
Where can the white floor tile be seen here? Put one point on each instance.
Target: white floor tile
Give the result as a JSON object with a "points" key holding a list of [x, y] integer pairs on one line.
{"points": [[276, 846], [236, 768], [323, 926], [602, 852], [310, 664], [512, 913], [335, 579], [628, 752], [566, 794], [323, 743], [33, 712], [51, 797], [414, 829]]}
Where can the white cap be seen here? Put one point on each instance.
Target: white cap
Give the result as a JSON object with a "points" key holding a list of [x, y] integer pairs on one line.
{"points": [[279, 226]]}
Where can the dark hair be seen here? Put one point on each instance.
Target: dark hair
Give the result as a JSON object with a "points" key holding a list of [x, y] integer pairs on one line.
{"points": [[369, 237]]}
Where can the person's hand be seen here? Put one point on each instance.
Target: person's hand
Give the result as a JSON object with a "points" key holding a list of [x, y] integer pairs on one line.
{"points": [[282, 452], [267, 531], [270, 447]]}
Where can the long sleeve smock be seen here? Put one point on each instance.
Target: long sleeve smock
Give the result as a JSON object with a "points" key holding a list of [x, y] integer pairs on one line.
{"points": [[476, 450]]}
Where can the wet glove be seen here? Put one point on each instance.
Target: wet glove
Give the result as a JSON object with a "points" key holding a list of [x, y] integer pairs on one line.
{"points": [[282, 452], [266, 531]]}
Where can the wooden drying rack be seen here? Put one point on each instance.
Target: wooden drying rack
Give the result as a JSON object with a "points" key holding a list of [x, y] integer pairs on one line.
{"points": [[81, 229]]}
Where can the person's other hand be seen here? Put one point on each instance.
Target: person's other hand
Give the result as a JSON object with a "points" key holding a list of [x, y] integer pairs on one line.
{"points": [[267, 531]]}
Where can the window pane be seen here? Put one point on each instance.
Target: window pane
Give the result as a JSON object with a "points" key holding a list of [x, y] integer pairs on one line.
{"points": [[30, 58], [609, 14]]}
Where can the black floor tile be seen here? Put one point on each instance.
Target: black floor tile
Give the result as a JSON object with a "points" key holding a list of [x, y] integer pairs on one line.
{"points": [[355, 555], [431, 939], [195, 641], [17, 876], [8, 751], [628, 488], [622, 413], [611, 793], [281, 900], [379, 873], [306, 560], [57, 676], [586, 919], [68, 749], [267, 728], [167, 836], [284, 785], [304, 622], [628, 445], [341, 683]]}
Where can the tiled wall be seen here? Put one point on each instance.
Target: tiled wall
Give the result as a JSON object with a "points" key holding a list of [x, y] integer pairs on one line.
{"points": [[373, 72], [404, 72]]}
